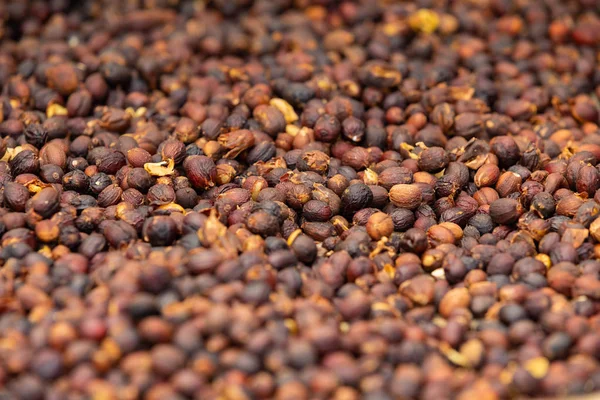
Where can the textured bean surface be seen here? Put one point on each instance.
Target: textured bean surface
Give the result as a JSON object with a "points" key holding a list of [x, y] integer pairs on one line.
{"points": [[299, 199]]}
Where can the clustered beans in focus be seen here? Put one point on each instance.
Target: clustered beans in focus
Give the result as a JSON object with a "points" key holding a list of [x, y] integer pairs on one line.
{"points": [[299, 199]]}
